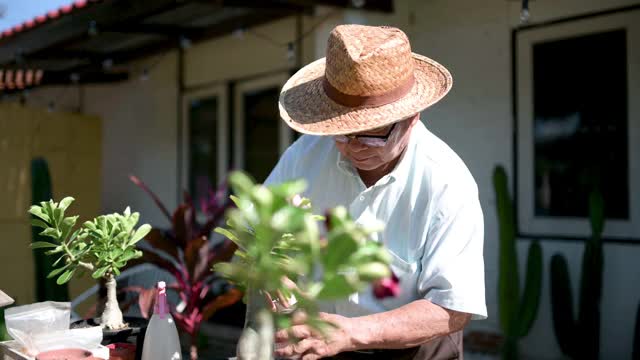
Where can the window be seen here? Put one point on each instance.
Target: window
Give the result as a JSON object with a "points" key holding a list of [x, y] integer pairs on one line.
{"points": [[580, 124], [576, 124]]}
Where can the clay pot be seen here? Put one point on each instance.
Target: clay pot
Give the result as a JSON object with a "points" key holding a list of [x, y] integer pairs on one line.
{"points": [[65, 354], [122, 351]]}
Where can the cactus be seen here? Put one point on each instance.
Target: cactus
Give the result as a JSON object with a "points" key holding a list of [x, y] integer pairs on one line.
{"points": [[636, 338], [517, 313], [46, 289], [580, 338]]}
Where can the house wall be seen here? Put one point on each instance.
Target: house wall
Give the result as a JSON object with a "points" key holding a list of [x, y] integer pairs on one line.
{"points": [[471, 38], [25, 134]]}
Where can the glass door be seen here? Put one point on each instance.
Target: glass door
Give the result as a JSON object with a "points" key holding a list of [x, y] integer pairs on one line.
{"points": [[260, 137], [205, 140]]}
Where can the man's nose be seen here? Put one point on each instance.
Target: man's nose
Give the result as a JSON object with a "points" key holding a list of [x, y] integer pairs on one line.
{"points": [[357, 146]]}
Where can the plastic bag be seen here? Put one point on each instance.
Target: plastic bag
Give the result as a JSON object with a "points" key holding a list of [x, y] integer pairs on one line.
{"points": [[45, 326]]}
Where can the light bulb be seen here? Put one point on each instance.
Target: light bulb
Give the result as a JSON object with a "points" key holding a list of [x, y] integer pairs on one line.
{"points": [[238, 33], [107, 64], [291, 53], [185, 42], [358, 3]]}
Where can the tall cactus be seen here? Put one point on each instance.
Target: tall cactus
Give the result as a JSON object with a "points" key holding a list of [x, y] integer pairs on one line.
{"points": [[517, 313], [46, 289], [580, 338]]}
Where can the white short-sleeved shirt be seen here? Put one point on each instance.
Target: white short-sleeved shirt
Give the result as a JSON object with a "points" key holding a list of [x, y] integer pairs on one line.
{"points": [[430, 208]]}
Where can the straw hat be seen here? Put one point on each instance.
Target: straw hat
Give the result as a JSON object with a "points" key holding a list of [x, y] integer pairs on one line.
{"points": [[369, 79]]}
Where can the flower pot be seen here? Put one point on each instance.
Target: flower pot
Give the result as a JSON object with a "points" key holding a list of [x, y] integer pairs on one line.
{"points": [[65, 354], [122, 351], [134, 333]]}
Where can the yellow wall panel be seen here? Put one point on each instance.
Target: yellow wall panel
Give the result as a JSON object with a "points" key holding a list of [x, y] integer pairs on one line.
{"points": [[71, 144], [16, 261]]}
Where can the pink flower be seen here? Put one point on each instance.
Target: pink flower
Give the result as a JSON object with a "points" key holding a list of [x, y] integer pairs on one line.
{"points": [[387, 287]]}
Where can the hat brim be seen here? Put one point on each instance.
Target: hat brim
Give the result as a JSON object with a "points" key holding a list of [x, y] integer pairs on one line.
{"points": [[306, 108]]}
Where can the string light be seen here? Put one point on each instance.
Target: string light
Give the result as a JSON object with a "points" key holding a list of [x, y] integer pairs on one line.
{"points": [[524, 13], [238, 33], [107, 64], [291, 52], [93, 28], [358, 3], [185, 42]]}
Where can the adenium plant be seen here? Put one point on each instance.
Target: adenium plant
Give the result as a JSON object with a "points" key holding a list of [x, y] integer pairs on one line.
{"points": [[102, 246], [278, 238], [185, 252]]}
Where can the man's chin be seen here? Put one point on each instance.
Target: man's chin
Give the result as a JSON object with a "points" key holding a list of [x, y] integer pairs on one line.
{"points": [[366, 165]]}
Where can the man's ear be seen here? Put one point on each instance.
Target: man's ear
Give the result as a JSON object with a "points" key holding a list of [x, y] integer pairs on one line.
{"points": [[414, 120]]}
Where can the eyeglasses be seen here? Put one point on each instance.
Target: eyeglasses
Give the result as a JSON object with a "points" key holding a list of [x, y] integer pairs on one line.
{"points": [[367, 140]]}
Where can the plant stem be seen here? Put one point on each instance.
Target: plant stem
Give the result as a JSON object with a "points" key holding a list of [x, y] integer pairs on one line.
{"points": [[193, 349], [86, 265], [112, 316]]}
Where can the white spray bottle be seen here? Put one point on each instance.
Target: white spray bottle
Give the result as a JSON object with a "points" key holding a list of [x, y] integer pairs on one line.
{"points": [[161, 340]]}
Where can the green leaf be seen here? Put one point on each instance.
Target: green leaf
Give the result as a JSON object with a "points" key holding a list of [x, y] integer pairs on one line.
{"points": [[39, 223], [100, 272], [338, 251], [140, 233], [289, 219], [66, 226], [51, 232], [373, 271], [57, 271], [289, 189], [240, 182], [58, 261], [65, 277], [40, 213], [64, 203], [227, 233], [58, 249], [58, 215], [336, 287], [42, 245]]}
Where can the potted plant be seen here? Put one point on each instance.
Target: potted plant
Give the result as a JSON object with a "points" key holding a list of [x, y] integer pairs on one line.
{"points": [[102, 246], [184, 250], [279, 237]]}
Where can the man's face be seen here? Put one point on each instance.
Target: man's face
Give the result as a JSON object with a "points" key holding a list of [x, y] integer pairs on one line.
{"points": [[369, 158]]}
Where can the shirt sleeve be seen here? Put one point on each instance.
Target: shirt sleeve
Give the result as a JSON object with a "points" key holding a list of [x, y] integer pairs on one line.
{"points": [[283, 170], [452, 273]]}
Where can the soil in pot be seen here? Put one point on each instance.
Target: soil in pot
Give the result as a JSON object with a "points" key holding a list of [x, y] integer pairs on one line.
{"points": [[122, 351], [65, 354]]}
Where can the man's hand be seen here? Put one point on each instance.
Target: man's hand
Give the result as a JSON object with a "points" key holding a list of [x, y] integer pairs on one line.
{"points": [[312, 345]]}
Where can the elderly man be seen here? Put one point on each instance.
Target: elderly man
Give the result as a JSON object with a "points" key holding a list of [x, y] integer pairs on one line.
{"points": [[367, 149]]}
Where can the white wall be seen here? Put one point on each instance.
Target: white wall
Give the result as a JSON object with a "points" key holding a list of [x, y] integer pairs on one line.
{"points": [[472, 39], [139, 137]]}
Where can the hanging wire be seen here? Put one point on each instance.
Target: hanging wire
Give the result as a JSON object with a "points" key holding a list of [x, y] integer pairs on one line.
{"points": [[303, 36]]}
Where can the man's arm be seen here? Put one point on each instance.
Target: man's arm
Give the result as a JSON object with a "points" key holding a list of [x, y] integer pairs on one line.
{"points": [[407, 326]]}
